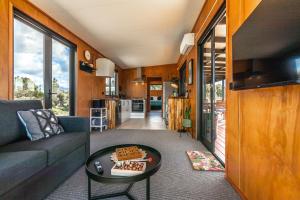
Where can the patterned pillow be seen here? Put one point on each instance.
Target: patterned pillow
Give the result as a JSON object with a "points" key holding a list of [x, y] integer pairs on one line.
{"points": [[40, 123]]}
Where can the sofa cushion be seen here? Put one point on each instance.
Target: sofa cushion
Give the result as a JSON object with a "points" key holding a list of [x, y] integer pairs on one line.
{"points": [[18, 166], [11, 129], [40, 123], [57, 146]]}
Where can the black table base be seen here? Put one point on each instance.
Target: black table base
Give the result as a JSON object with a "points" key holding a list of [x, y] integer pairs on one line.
{"points": [[124, 193]]}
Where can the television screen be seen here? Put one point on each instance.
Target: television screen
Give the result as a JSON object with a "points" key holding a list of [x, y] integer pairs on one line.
{"points": [[266, 47], [265, 72]]}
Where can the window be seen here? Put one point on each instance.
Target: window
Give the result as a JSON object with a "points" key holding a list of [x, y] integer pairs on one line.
{"points": [[43, 65], [28, 52], [155, 87], [111, 85]]}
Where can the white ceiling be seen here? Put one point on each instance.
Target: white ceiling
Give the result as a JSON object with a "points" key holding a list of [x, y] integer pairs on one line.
{"points": [[132, 33]]}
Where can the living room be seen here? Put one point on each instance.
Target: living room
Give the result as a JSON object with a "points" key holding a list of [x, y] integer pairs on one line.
{"points": [[136, 99]]}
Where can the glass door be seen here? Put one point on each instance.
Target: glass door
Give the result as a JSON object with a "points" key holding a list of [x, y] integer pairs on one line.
{"points": [[43, 66], [60, 98], [212, 88], [207, 130]]}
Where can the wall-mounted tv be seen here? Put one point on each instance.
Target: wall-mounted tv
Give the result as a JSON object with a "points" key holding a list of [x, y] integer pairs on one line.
{"points": [[266, 48]]}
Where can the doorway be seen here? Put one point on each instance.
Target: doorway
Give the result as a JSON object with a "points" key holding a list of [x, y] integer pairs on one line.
{"points": [[154, 95], [212, 77]]}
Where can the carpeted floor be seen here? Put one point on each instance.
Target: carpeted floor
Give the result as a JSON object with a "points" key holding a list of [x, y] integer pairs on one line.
{"points": [[175, 180]]}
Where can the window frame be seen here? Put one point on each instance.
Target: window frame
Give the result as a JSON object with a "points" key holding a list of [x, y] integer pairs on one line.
{"points": [[48, 36], [155, 89], [116, 85]]}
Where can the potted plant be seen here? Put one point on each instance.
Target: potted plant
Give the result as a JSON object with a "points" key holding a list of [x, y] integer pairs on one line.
{"points": [[187, 122]]}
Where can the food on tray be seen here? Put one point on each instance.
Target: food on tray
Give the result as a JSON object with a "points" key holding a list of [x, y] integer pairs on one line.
{"points": [[128, 168], [128, 153]]}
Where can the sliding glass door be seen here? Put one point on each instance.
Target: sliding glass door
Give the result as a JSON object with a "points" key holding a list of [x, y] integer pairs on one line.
{"points": [[61, 56], [212, 78], [207, 94], [43, 66]]}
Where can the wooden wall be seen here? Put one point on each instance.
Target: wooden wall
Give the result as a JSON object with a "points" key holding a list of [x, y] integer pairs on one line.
{"points": [[262, 125], [132, 90], [88, 85], [263, 130], [207, 13]]}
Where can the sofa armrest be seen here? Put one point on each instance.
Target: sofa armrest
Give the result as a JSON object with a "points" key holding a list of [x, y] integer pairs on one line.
{"points": [[74, 124]]}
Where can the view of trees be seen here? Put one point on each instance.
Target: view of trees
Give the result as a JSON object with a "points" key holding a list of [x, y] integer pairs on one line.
{"points": [[60, 101], [26, 89]]}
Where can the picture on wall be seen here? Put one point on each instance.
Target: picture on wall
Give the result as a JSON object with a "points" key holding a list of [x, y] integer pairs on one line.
{"points": [[190, 68]]}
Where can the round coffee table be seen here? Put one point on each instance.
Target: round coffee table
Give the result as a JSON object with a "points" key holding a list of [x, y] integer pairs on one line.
{"points": [[103, 156]]}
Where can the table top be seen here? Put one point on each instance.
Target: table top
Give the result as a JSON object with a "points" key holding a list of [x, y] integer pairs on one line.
{"points": [[103, 156]]}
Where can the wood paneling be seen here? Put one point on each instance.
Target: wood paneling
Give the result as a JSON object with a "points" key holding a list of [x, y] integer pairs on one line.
{"points": [[177, 107], [111, 113], [206, 15], [263, 127], [88, 86], [132, 90], [4, 70]]}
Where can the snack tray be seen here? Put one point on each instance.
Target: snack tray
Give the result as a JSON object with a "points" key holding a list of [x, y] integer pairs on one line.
{"points": [[123, 172], [114, 158]]}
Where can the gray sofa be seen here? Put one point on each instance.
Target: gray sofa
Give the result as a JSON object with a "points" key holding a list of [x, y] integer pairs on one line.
{"points": [[32, 169]]}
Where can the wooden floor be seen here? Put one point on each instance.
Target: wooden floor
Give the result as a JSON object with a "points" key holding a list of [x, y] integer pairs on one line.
{"points": [[153, 121], [220, 140]]}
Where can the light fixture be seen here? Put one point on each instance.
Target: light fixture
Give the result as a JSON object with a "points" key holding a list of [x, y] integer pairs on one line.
{"points": [[174, 85], [174, 82]]}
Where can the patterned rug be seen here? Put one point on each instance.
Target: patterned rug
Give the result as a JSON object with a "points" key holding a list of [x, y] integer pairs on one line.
{"points": [[204, 161]]}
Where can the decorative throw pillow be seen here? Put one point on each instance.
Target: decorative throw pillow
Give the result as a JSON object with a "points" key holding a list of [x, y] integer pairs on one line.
{"points": [[40, 123]]}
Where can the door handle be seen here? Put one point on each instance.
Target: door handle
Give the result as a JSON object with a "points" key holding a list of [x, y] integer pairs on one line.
{"points": [[51, 93]]}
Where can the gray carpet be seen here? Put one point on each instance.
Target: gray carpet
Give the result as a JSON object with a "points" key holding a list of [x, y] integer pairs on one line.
{"points": [[175, 180]]}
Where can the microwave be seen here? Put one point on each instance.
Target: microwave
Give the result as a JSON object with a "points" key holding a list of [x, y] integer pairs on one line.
{"points": [[98, 103]]}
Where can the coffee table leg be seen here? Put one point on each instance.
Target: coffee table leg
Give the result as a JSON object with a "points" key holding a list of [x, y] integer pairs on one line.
{"points": [[148, 188], [89, 189]]}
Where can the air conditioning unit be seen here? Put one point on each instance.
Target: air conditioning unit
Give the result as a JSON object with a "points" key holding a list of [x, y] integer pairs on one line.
{"points": [[105, 67], [187, 43]]}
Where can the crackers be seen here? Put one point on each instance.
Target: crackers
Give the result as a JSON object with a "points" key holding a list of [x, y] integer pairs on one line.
{"points": [[128, 153]]}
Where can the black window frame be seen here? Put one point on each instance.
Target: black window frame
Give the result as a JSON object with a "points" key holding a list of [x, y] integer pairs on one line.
{"points": [[48, 36], [182, 80]]}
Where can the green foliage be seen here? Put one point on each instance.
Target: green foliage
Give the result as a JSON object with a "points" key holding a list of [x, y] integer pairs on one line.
{"points": [[26, 89], [187, 113]]}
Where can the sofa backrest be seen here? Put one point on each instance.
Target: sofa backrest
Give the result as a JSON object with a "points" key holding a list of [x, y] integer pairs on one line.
{"points": [[11, 128]]}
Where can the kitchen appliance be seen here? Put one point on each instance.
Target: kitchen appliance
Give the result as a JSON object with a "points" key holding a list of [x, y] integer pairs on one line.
{"points": [[167, 92], [138, 106], [98, 103], [139, 76], [125, 109]]}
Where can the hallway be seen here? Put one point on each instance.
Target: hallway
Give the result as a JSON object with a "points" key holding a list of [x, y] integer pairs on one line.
{"points": [[153, 121]]}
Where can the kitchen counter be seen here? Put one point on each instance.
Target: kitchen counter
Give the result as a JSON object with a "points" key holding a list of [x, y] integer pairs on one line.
{"points": [[133, 108]]}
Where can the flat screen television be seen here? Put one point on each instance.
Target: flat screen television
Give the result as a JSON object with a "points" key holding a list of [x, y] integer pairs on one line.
{"points": [[266, 47]]}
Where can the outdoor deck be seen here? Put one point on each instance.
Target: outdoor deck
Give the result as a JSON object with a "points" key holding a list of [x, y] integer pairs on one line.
{"points": [[220, 140]]}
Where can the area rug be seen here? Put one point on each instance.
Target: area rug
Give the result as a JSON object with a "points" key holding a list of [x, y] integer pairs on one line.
{"points": [[204, 161]]}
